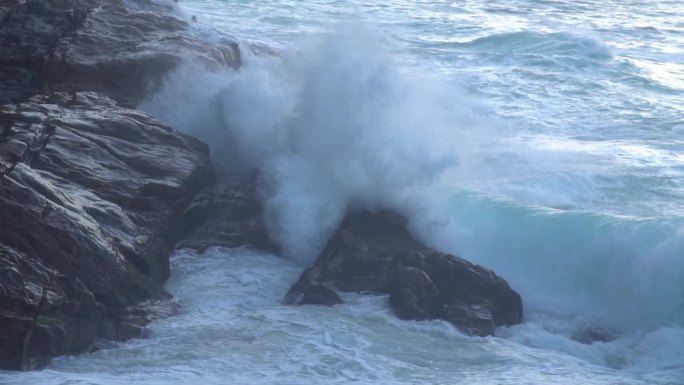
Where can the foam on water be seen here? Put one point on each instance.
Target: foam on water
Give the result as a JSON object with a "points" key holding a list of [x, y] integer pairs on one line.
{"points": [[233, 329]]}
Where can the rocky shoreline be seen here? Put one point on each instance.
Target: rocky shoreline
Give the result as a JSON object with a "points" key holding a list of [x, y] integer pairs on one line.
{"points": [[95, 194]]}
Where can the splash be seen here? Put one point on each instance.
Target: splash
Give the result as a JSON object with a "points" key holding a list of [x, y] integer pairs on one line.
{"points": [[333, 126]]}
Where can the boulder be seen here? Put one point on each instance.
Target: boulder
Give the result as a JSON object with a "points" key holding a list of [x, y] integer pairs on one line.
{"points": [[374, 253], [91, 196]]}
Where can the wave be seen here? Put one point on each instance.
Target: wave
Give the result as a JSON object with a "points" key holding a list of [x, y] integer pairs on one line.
{"points": [[530, 42], [623, 272]]}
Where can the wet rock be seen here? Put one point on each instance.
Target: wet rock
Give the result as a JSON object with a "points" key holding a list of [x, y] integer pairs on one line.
{"points": [[320, 295], [590, 334], [228, 215], [42, 312], [91, 195], [29, 33], [374, 253], [116, 47], [123, 49], [414, 296]]}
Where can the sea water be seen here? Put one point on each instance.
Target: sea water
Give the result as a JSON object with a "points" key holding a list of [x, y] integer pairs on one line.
{"points": [[542, 139]]}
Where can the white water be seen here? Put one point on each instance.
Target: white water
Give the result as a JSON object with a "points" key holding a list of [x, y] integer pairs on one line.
{"points": [[541, 139], [233, 330]]}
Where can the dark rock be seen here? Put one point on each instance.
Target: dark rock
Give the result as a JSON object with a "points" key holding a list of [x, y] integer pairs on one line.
{"points": [[414, 296], [124, 51], [590, 334], [91, 195], [29, 33], [228, 215], [42, 312], [320, 295], [373, 252], [116, 47]]}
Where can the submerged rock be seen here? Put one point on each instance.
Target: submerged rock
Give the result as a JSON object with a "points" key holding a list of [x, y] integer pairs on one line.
{"points": [[91, 195], [374, 253]]}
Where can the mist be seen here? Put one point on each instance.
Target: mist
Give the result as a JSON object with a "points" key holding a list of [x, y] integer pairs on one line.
{"points": [[334, 126]]}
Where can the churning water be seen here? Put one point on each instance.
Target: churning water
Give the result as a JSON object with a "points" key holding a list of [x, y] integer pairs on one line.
{"points": [[543, 139]]}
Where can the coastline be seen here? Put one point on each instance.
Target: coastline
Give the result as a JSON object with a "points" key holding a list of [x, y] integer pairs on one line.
{"points": [[95, 194]]}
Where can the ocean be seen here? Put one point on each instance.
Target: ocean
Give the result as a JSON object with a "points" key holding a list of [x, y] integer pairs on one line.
{"points": [[541, 138]]}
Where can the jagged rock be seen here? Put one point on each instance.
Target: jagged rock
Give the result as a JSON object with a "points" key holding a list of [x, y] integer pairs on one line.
{"points": [[42, 312], [90, 199], [91, 194], [373, 252]]}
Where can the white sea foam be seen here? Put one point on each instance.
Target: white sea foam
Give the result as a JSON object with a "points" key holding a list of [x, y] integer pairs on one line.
{"points": [[233, 329]]}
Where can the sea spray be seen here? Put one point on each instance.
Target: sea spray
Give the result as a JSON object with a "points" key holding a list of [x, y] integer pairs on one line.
{"points": [[335, 125]]}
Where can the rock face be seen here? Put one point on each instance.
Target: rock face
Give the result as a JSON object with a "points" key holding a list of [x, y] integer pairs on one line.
{"points": [[90, 200], [119, 48], [374, 253]]}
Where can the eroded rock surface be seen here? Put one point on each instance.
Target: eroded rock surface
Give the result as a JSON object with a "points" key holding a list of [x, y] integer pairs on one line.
{"points": [[374, 253], [90, 200]]}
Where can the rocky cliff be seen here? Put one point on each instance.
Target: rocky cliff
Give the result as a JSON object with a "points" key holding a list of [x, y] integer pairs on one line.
{"points": [[92, 193]]}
